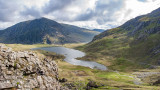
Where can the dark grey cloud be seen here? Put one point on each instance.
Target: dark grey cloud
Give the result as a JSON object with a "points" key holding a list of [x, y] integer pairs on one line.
{"points": [[54, 5], [7, 10], [82, 12], [107, 10], [86, 16], [33, 11], [103, 11]]}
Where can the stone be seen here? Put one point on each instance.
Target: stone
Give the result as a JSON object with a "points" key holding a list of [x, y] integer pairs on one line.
{"points": [[20, 54], [70, 85], [9, 73], [1, 58], [39, 79], [14, 66], [9, 49], [62, 80], [18, 66], [3, 68], [33, 83], [2, 78], [91, 84], [5, 84]]}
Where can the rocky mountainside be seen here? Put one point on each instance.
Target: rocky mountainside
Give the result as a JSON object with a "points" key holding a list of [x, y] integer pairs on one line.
{"points": [[140, 26], [44, 30], [137, 40], [25, 71]]}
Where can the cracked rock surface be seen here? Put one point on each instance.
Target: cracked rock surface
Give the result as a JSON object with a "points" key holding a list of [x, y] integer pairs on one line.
{"points": [[24, 70]]}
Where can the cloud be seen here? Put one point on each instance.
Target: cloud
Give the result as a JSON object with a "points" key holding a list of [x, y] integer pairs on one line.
{"points": [[7, 10], [54, 5], [103, 12], [33, 12], [85, 13]]}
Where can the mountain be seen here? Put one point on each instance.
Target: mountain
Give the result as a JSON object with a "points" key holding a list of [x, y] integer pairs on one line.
{"points": [[44, 30], [99, 30], [136, 41]]}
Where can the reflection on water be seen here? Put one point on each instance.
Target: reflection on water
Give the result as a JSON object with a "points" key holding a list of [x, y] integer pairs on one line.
{"points": [[71, 55]]}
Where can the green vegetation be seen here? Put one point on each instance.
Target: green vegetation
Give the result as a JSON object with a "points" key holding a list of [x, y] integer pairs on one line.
{"points": [[134, 46], [79, 76], [45, 31], [144, 19], [18, 47], [128, 51]]}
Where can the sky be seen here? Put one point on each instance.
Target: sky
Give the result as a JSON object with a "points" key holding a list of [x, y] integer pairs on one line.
{"points": [[99, 14]]}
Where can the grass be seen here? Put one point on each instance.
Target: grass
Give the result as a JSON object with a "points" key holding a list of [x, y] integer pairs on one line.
{"points": [[110, 79], [143, 52], [18, 47], [111, 52], [80, 76]]}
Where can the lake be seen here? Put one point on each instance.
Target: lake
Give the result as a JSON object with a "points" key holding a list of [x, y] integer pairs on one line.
{"points": [[71, 55]]}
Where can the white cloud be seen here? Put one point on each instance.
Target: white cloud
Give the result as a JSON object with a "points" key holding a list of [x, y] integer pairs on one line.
{"points": [[85, 13]]}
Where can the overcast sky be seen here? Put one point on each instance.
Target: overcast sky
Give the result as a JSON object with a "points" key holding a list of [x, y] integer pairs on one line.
{"points": [[84, 13]]}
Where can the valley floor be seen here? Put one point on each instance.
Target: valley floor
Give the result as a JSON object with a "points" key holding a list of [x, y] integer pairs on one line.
{"points": [[79, 77]]}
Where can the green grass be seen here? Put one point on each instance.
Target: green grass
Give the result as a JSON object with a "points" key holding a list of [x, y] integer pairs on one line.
{"points": [[18, 47], [120, 77], [80, 76], [143, 51]]}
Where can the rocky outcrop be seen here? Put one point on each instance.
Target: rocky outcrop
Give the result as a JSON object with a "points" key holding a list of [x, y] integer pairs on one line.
{"points": [[25, 71]]}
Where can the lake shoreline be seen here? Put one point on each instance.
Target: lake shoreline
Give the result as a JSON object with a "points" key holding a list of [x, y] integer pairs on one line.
{"points": [[71, 55]]}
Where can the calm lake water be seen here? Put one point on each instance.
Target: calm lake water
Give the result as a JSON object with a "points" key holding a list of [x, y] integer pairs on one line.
{"points": [[71, 55]]}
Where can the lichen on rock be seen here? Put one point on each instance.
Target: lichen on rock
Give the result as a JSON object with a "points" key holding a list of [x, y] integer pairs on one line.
{"points": [[24, 70]]}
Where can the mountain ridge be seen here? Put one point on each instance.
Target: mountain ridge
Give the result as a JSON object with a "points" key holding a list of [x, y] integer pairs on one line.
{"points": [[44, 30], [137, 40]]}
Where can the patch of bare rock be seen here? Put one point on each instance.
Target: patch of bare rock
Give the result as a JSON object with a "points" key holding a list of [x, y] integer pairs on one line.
{"points": [[24, 70]]}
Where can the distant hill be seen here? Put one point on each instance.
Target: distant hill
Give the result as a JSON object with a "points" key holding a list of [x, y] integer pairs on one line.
{"points": [[137, 40], [44, 30], [99, 30]]}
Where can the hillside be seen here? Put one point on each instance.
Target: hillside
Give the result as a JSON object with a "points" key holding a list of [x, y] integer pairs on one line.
{"points": [[135, 44], [44, 30]]}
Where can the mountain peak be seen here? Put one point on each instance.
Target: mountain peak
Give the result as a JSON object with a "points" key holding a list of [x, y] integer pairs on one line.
{"points": [[43, 18], [44, 30]]}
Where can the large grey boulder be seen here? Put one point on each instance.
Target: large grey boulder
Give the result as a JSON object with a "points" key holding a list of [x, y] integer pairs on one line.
{"points": [[24, 70]]}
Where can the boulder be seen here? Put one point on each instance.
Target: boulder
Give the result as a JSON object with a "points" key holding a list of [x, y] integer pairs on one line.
{"points": [[25, 71], [91, 84], [63, 80]]}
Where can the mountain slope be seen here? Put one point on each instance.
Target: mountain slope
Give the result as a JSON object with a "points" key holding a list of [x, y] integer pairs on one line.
{"points": [[138, 41], [44, 30]]}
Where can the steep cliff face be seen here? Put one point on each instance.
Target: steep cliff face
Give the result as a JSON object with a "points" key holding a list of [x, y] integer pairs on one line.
{"points": [[24, 70]]}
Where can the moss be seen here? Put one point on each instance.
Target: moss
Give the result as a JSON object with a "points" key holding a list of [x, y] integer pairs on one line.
{"points": [[144, 19]]}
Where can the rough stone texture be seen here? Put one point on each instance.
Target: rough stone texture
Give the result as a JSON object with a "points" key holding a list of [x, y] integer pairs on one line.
{"points": [[25, 71]]}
